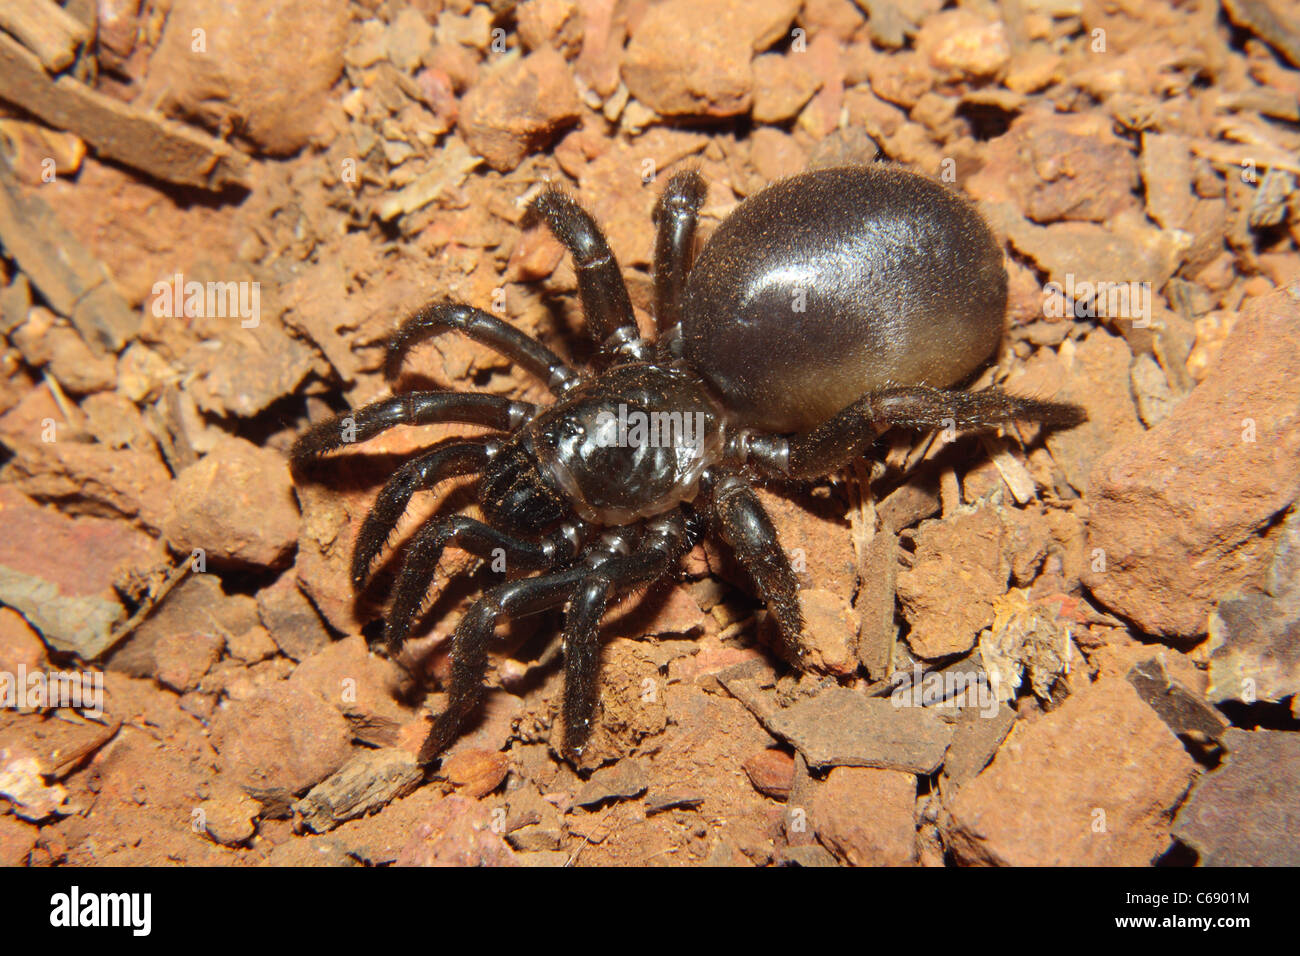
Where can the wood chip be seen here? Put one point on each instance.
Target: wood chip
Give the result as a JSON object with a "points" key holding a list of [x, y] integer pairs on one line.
{"points": [[44, 27], [453, 165], [1245, 155], [1011, 468], [164, 149], [74, 282], [370, 780], [878, 634]]}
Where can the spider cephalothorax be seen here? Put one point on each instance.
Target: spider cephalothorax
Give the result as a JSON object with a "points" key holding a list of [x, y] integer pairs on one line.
{"points": [[828, 305]]}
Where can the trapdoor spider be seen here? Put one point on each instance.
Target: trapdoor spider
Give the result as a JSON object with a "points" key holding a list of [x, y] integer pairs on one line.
{"points": [[826, 306]]}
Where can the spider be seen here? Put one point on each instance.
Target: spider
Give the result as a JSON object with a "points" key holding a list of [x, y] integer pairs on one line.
{"points": [[826, 307]]}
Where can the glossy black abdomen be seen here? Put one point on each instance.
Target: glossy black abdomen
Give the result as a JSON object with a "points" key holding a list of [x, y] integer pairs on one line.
{"points": [[838, 281]]}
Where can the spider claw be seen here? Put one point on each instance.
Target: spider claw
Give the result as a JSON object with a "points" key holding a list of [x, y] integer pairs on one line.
{"points": [[576, 740], [363, 560], [429, 750], [395, 635], [440, 735]]}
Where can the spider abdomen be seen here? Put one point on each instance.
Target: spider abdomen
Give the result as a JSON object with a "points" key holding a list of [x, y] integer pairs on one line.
{"points": [[835, 282]]}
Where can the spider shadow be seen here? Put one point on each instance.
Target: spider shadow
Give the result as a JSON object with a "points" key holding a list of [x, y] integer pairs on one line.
{"points": [[803, 495]]}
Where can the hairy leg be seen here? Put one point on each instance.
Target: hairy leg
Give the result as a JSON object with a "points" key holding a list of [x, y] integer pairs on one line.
{"points": [[746, 527], [413, 408], [838, 441], [614, 568], [446, 461], [582, 659], [676, 214], [601, 289], [524, 350], [470, 644], [470, 535]]}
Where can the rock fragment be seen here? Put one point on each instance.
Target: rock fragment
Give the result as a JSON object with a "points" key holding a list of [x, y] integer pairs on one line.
{"points": [[1091, 783], [679, 797], [196, 605], [771, 772], [1094, 374], [557, 23], [809, 854], [236, 505], [1254, 649], [1255, 639], [830, 634], [976, 736], [866, 817], [1166, 164], [963, 44], [228, 817], [1184, 711], [75, 283], [1267, 20], [284, 738], [1245, 813], [183, 658], [220, 62], [72, 604], [366, 688], [1179, 515], [839, 727], [20, 646], [456, 832], [782, 85], [518, 107], [622, 781], [689, 58], [1059, 166], [959, 568], [17, 839], [475, 772]]}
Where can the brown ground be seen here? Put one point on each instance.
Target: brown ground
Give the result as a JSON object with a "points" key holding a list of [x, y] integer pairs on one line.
{"points": [[1130, 582]]}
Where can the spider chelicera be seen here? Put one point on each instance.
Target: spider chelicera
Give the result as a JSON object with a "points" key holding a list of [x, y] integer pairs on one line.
{"points": [[827, 306]]}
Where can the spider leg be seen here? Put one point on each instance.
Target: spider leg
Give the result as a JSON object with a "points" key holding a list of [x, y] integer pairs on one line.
{"points": [[582, 659], [613, 571], [522, 349], [842, 438], [446, 461], [475, 537], [473, 634], [746, 527], [601, 289], [413, 408], [676, 214]]}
